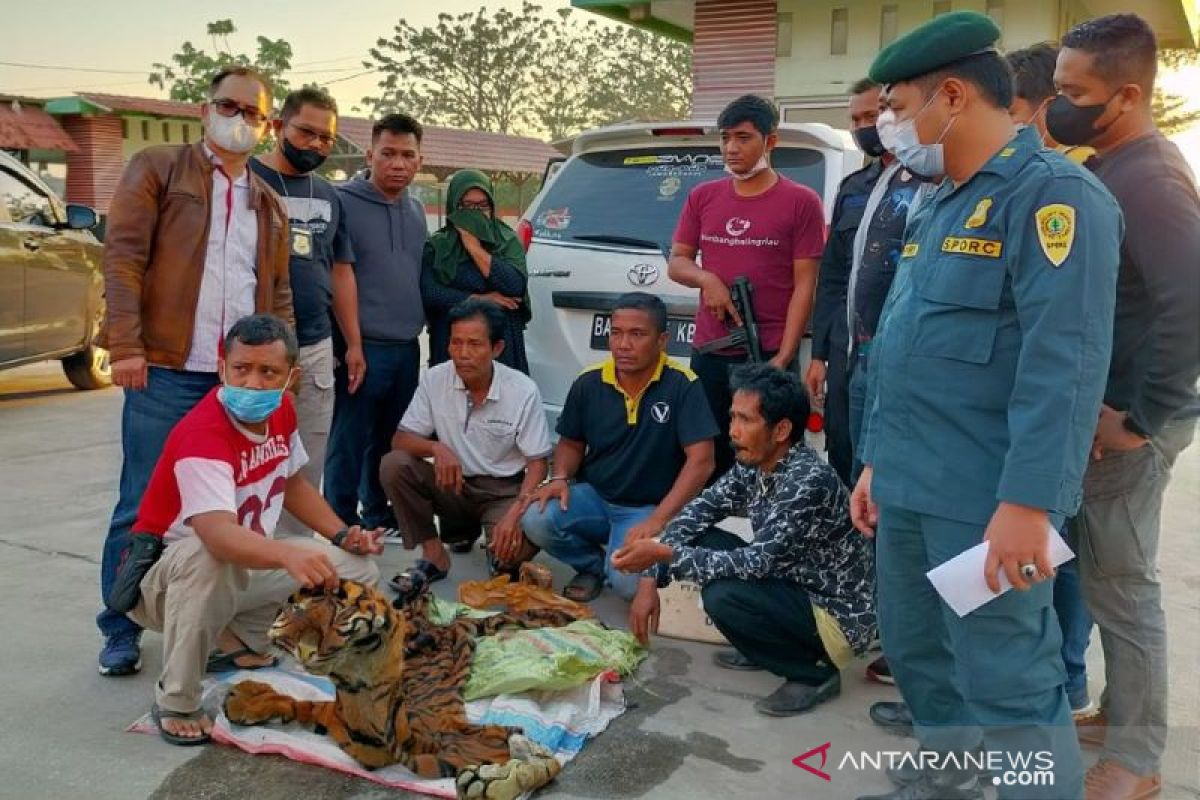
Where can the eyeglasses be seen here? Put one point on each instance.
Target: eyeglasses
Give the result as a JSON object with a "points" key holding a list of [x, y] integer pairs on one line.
{"points": [[308, 135], [480, 206], [231, 108]]}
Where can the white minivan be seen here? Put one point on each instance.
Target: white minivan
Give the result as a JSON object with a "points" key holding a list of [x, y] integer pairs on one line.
{"points": [[602, 223]]}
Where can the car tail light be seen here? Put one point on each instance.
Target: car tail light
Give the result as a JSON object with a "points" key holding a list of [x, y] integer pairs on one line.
{"points": [[525, 234], [677, 131], [816, 422]]}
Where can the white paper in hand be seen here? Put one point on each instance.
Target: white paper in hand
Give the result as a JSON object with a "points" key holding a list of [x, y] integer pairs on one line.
{"points": [[961, 583]]}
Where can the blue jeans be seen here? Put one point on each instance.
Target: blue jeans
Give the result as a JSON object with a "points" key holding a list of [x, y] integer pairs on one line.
{"points": [[857, 370], [580, 535], [146, 419], [1075, 621], [362, 430]]}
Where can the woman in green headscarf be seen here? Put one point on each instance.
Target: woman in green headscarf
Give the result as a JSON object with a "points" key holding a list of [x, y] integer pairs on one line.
{"points": [[474, 255]]}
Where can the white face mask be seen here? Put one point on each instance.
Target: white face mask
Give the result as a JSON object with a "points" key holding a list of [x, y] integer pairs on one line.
{"points": [[762, 165], [885, 126], [232, 133], [926, 160]]}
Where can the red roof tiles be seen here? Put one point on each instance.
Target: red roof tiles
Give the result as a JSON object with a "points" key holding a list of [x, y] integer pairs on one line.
{"points": [[453, 148], [26, 127], [443, 148]]}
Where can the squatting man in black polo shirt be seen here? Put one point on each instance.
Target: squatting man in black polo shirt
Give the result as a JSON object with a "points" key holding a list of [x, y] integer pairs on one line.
{"points": [[636, 444], [797, 599]]}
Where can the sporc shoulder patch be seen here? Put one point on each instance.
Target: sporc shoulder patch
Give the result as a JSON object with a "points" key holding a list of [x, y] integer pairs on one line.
{"points": [[1056, 231]]}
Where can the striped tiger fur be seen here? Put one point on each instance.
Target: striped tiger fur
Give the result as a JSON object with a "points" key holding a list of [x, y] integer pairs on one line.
{"points": [[399, 680]]}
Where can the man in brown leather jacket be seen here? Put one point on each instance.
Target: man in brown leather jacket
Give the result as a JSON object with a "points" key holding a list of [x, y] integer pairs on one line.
{"points": [[195, 241]]}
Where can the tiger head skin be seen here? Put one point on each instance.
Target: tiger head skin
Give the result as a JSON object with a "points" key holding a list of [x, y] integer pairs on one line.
{"points": [[351, 633]]}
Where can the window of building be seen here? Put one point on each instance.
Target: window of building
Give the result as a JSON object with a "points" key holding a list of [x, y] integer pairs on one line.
{"points": [[783, 35], [145, 130], [186, 130], [889, 24], [839, 32], [166, 129], [124, 128], [942, 7], [995, 10]]}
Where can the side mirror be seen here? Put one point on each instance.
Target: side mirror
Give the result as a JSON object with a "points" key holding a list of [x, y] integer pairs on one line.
{"points": [[80, 218]]}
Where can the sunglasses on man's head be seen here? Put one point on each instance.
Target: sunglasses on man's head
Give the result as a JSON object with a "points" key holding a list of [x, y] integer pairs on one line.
{"points": [[231, 108]]}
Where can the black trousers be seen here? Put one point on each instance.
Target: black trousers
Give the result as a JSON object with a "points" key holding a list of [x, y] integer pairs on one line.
{"points": [[769, 621]]}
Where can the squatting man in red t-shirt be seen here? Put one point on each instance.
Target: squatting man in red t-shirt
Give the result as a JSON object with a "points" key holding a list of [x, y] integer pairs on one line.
{"points": [[228, 469], [756, 224]]}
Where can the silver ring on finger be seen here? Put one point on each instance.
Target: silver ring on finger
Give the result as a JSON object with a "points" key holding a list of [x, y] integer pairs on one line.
{"points": [[1029, 571]]}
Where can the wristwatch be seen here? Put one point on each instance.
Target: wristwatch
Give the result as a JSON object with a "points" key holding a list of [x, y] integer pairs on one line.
{"points": [[339, 537], [552, 478]]}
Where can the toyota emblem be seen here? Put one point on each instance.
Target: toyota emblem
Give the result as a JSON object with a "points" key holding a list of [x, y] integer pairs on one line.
{"points": [[642, 274]]}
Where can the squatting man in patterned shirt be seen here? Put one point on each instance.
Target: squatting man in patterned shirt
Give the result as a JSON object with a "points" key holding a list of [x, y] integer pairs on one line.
{"points": [[796, 599]]}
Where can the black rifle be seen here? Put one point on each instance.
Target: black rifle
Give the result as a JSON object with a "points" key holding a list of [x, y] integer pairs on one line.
{"points": [[745, 335]]}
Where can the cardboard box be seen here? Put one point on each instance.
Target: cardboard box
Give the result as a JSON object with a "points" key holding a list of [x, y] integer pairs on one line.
{"points": [[681, 615]]}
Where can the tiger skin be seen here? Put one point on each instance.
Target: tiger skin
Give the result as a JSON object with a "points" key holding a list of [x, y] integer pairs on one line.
{"points": [[399, 680]]}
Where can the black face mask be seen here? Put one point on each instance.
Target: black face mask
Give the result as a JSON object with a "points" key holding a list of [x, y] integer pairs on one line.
{"points": [[1070, 124], [867, 140], [302, 160]]}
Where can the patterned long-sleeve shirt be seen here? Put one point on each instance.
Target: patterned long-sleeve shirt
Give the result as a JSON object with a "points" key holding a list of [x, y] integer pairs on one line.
{"points": [[800, 515]]}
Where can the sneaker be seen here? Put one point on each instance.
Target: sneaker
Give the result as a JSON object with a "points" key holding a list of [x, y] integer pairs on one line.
{"points": [[935, 786], [879, 671], [392, 536], [1084, 711], [1092, 729], [121, 654], [1108, 780]]}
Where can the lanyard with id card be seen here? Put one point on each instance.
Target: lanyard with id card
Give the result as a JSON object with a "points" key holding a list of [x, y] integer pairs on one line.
{"points": [[300, 242]]}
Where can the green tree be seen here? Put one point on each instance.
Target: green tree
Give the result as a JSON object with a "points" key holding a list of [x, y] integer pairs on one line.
{"points": [[529, 72], [472, 70], [645, 76], [187, 75], [1174, 113]]}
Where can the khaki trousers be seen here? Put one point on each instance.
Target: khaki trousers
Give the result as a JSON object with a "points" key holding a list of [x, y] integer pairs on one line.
{"points": [[412, 489], [190, 597]]}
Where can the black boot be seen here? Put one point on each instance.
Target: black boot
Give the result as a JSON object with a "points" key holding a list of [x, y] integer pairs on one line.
{"points": [[942, 785], [732, 659], [893, 717], [910, 771], [795, 698]]}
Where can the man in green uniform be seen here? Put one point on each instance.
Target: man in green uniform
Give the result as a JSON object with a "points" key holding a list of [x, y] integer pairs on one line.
{"points": [[988, 370]]}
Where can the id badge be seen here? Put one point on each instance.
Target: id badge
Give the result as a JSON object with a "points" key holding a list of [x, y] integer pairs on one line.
{"points": [[301, 243]]}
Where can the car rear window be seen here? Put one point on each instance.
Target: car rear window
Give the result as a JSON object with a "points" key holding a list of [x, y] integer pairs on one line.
{"points": [[638, 194]]}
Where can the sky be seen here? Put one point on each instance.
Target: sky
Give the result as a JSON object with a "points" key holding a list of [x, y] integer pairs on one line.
{"points": [[329, 39]]}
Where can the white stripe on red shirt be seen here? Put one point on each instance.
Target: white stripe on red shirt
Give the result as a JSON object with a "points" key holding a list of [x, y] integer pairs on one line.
{"points": [[210, 463]]}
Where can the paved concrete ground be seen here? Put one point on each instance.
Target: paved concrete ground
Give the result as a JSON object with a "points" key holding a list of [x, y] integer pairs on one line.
{"points": [[691, 734]]}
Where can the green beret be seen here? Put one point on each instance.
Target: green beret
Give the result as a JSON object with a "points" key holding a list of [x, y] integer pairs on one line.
{"points": [[938, 43]]}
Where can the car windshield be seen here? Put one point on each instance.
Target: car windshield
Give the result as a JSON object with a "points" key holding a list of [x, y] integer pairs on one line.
{"points": [[625, 196]]}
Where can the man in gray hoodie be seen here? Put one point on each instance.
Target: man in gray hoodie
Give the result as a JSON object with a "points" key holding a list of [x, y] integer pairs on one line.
{"points": [[387, 234]]}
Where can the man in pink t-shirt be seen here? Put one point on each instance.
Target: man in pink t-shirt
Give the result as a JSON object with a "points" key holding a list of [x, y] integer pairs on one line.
{"points": [[756, 224], [229, 468]]}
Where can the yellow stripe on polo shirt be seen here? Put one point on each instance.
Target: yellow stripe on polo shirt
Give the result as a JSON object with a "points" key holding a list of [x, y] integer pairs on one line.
{"points": [[608, 374]]}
